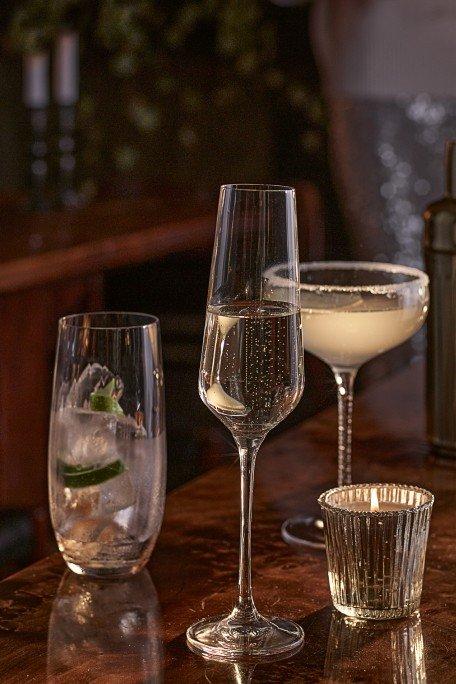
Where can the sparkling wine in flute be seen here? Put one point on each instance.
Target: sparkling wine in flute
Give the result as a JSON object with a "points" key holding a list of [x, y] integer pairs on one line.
{"points": [[250, 375]]}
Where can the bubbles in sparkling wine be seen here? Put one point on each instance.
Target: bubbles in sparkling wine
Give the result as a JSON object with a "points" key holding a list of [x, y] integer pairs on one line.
{"points": [[251, 375]]}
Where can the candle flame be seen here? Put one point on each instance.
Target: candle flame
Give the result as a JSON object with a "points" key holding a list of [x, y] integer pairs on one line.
{"points": [[374, 500]]}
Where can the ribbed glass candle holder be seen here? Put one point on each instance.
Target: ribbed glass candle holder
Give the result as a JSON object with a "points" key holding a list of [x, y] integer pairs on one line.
{"points": [[376, 557]]}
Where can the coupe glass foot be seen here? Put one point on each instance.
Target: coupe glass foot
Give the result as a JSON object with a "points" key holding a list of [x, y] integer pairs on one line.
{"points": [[304, 530], [222, 638]]}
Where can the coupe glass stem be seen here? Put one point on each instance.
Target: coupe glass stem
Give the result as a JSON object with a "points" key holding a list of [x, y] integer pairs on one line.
{"points": [[345, 380], [245, 608]]}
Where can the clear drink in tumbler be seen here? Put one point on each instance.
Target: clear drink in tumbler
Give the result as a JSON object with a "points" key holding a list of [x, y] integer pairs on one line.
{"points": [[107, 446]]}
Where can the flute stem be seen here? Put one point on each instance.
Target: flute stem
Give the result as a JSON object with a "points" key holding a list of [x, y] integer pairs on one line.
{"points": [[245, 608]]}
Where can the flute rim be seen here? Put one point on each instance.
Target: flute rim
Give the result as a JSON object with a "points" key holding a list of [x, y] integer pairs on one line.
{"points": [[340, 508], [257, 187], [66, 321]]}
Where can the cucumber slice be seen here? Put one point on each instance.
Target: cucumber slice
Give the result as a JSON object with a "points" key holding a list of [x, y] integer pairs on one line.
{"points": [[79, 476]]}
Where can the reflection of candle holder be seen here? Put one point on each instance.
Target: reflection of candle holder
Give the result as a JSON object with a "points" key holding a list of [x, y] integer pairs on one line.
{"points": [[376, 554], [111, 628], [397, 653]]}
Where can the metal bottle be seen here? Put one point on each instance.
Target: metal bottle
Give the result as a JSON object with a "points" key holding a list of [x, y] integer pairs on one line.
{"points": [[440, 255]]}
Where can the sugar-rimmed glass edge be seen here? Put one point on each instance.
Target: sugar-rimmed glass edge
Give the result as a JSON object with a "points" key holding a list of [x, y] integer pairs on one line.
{"points": [[419, 277], [340, 508], [70, 321]]}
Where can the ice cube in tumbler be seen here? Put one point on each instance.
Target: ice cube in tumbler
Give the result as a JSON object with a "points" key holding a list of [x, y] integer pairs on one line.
{"points": [[90, 437], [117, 493], [93, 377]]}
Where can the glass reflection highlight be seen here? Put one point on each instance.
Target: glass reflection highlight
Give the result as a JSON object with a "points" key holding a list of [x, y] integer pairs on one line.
{"points": [[229, 673]]}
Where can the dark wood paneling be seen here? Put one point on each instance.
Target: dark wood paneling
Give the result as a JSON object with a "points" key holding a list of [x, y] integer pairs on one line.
{"points": [[52, 264], [74, 245], [28, 334]]}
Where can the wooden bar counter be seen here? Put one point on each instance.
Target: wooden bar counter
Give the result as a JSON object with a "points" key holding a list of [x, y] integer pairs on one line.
{"points": [[55, 627]]}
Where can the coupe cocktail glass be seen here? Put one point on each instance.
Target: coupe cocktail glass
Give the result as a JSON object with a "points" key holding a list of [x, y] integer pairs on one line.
{"points": [[352, 312]]}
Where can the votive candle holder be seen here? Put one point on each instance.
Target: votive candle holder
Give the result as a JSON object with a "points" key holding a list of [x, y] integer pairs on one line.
{"points": [[376, 537]]}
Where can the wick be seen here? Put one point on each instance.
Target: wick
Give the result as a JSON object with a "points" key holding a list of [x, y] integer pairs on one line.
{"points": [[374, 500]]}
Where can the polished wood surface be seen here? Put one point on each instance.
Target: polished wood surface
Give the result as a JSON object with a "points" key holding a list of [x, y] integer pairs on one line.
{"points": [[56, 627]]}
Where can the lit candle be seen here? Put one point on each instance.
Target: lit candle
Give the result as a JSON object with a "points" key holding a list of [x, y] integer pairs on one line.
{"points": [[66, 69], [374, 505], [35, 80]]}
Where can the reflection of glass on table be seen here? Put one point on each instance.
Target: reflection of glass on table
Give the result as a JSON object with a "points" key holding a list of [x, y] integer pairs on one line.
{"points": [[361, 650], [229, 673], [110, 629]]}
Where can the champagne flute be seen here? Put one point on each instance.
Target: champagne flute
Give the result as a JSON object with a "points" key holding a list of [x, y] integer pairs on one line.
{"points": [[352, 312], [251, 377]]}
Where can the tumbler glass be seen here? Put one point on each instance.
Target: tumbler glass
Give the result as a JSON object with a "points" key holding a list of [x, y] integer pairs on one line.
{"points": [[107, 444]]}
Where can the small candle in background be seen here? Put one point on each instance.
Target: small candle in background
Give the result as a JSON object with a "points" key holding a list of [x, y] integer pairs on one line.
{"points": [[35, 95], [374, 505], [35, 80], [66, 69], [66, 94]]}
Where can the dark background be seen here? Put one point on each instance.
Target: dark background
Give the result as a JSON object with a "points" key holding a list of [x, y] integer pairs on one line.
{"points": [[202, 119]]}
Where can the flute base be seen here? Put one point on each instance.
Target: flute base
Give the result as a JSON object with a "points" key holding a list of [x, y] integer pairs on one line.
{"points": [[304, 530], [225, 638]]}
